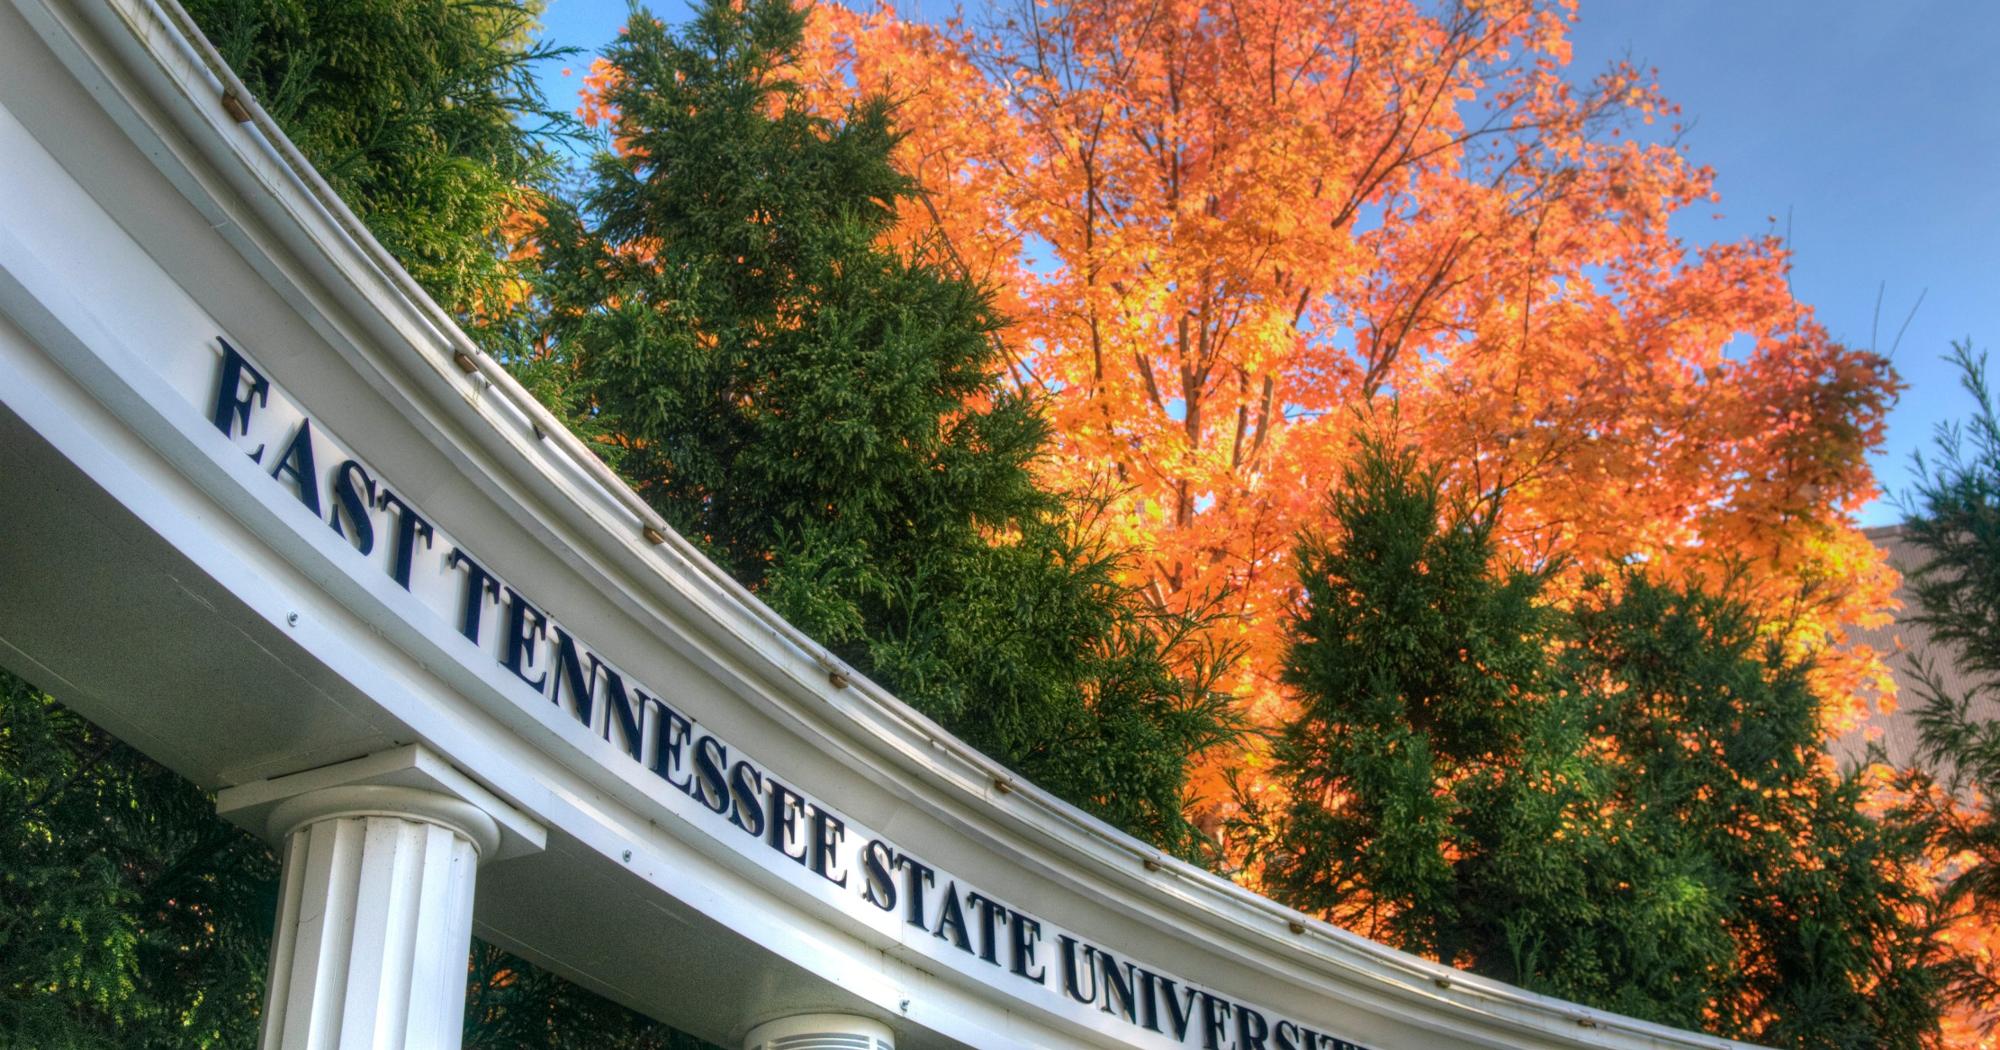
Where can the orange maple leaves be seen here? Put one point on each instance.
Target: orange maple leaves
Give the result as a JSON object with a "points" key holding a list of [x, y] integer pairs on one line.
{"points": [[1231, 233]]}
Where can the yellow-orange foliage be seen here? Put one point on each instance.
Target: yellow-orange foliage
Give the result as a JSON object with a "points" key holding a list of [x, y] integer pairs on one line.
{"points": [[1229, 232], [1968, 928]]}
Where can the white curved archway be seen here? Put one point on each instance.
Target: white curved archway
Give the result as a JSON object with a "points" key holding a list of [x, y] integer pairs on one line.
{"points": [[270, 516]]}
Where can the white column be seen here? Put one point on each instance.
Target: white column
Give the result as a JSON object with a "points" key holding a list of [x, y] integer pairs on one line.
{"points": [[375, 915], [375, 919], [821, 1032]]}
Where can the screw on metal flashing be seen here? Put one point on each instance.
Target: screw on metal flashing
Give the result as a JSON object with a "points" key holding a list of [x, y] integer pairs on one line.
{"points": [[834, 672], [628, 856], [232, 104], [291, 619]]}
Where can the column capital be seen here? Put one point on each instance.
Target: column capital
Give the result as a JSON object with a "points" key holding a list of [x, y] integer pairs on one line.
{"points": [[411, 782], [821, 1031]]}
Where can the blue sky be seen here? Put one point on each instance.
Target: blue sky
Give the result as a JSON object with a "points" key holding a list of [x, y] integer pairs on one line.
{"points": [[1871, 127], [1875, 128]]}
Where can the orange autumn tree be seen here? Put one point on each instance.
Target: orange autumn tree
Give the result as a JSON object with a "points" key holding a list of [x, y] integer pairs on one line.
{"points": [[1230, 237], [1230, 233]]}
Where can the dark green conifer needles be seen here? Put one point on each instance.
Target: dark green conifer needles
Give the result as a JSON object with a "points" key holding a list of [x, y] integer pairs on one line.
{"points": [[1624, 803], [823, 412]]}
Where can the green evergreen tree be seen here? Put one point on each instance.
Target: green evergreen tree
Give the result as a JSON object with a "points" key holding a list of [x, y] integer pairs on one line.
{"points": [[1415, 665], [130, 914], [823, 413], [1954, 525], [1721, 767], [1624, 803], [422, 115]]}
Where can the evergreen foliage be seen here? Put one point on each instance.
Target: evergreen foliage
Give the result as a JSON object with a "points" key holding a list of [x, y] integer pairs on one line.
{"points": [[1954, 524], [1411, 661], [130, 915], [1714, 746], [1622, 803], [421, 114], [821, 411]]}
